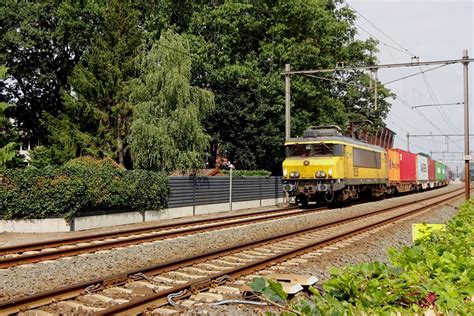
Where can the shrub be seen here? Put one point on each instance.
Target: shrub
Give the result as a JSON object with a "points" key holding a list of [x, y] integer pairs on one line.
{"points": [[437, 273], [248, 173], [41, 157], [92, 163], [82, 184]]}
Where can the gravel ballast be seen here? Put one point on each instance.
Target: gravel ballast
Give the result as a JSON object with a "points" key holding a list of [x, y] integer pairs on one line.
{"points": [[26, 280]]}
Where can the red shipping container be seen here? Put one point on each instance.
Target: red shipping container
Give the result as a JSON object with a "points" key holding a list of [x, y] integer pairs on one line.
{"points": [[431, 170], [407, 165]]}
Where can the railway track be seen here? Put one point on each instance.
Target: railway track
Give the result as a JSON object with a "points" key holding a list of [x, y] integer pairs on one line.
{"points": [[141, 290], [53, 249]]}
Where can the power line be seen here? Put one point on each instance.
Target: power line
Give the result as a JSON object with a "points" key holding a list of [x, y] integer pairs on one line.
{"points": [[405, 103], [440, 104], [382, 42], [415, 63], [415, 74], [174, 49], [406, 123], [435, 100], [339, 81], [430, 90], [432, 140], [404, 141], [378, 29]]}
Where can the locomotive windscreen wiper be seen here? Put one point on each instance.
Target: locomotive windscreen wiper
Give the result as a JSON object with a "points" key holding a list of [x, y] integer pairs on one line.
{"points": [[327, 147]]}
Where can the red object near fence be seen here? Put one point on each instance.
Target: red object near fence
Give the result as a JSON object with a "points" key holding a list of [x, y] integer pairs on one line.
{"points": [[407, 165], [384, 137], [431, 170]]}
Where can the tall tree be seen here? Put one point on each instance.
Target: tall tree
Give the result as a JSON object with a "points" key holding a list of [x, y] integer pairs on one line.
{"points": [[96, 118], [167, 132], [240, 49], [41, 42]]}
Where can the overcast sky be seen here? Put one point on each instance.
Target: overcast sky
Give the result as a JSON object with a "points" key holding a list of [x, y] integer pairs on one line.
{"points": [[432, 30]]}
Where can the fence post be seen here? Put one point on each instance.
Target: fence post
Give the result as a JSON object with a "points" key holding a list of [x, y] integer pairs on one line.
{"points": [[260, 185], [276, 190], [230, 190], [194, 195]]}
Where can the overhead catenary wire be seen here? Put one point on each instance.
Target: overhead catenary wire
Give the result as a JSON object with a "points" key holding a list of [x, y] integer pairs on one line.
{"points": [[440, 110], [404, 90], [380, 41], [382, 32], [338, 81], [406, 51], [404, 141], [435, 100], [422, 72], [405, 103], [417, 62], [411, 143]]}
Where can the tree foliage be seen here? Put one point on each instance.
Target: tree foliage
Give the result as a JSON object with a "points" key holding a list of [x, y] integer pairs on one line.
{"points": [[7, 154], [240, 51], [166, 132], [77, 69], [41, 42], [97, 113]]}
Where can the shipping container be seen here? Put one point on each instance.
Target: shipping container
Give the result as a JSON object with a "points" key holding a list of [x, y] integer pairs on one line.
{"points": [[447, 173], [421, 168], [431, 170], [393, 162], [440, 171], [407, 165]]}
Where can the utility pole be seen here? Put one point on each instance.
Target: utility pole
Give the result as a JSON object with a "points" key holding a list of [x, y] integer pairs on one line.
{"points": [[414, 63], [287, 103], [375, 90], [408, 141], [467, 181]]}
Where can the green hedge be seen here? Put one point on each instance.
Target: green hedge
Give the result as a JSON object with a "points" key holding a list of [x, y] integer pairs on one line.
{"points": [[81, 184], [436, 273], [248, 173]]}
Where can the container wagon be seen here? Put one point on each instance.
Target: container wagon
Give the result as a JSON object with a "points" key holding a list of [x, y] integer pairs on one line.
{"points": [[407, 171], [421, 172], [431, 173]]}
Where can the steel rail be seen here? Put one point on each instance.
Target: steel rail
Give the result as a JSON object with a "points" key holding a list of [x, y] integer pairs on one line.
{"points": [[44, 298], [193, 229], [160, 298], [103, 235]]}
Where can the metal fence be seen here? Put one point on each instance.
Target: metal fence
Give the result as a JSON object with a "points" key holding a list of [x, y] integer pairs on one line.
{"points": [[192, 191]]}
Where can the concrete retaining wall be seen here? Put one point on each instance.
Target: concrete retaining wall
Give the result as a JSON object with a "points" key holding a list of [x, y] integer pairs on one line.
{"points": [[44, 225], [96, 221]]}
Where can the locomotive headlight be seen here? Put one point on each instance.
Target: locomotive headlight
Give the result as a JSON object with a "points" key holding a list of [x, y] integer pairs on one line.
{"points": [[294, 174], [330, 173], [321, 174], [285, 172]]}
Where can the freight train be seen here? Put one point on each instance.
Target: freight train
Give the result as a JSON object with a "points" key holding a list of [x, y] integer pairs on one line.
{"points": [[327, 167]]}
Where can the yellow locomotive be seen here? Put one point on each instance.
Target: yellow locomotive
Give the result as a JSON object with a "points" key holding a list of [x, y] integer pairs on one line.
{"points": [[325, 166]]}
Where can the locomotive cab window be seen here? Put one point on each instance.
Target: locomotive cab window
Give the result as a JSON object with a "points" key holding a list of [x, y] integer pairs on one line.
{"points": [[366, 158], [316, 150]]}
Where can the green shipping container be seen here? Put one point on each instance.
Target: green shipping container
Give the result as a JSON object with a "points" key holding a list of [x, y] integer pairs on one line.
{"points": [[440, 171]]}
